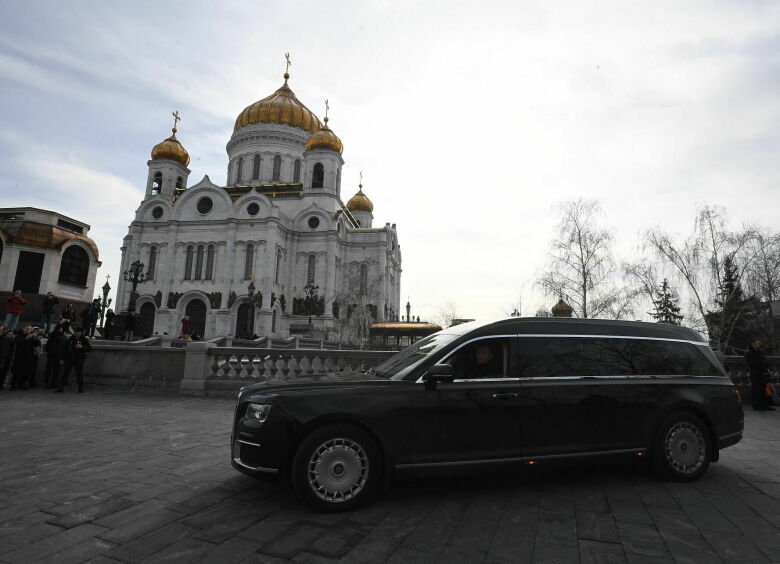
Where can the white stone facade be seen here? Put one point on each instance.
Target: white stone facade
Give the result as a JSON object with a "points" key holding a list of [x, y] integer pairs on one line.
{"points": [[269, 225]]}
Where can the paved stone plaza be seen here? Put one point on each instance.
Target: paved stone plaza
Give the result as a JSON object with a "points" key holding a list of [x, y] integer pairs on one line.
{"points": [[123, 477]]}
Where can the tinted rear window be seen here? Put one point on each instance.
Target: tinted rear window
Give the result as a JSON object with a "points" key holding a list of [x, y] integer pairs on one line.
{"points": [[584, 356]]}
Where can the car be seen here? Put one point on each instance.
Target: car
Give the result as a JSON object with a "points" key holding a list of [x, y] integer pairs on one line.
{"points": [[494, 395]]}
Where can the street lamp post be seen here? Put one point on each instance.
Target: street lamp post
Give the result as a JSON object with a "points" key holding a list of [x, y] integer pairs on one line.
{"points": [[250, 320], [106, 301], [311, 297], [135, 275]]}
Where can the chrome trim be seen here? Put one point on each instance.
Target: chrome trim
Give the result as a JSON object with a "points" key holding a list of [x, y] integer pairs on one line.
{"points": [[256, 468], [247, 443], [698, 343], [517, 459]]}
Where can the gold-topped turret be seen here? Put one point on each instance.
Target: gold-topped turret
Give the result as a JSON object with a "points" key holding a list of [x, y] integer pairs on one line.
{"points": [[281, 107], [360, 202], [170, 148], [324, 138]]}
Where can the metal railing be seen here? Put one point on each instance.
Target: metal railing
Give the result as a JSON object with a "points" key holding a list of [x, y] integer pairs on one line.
{"points": [[274, 364]]}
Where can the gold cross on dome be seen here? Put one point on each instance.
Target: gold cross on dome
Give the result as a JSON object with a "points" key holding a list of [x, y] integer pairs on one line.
{"points": [[287, 56], [361, 178], [107, 277], [176, 118], [327, 107]]}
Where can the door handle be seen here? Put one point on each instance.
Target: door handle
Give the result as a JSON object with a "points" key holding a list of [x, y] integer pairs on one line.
{"points": [[504, 396]]}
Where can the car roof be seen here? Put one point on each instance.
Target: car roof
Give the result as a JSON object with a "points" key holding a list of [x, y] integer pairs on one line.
{"points": [[575, 326]]}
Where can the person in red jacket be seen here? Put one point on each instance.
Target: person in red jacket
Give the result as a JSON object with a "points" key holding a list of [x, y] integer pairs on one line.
{"points": [[13, 310]]}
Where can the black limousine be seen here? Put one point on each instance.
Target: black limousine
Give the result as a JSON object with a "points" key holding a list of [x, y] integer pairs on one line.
{"points": [[483, 395]]}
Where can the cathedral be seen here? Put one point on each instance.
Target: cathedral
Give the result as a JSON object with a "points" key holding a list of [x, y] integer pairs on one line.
{"points": [[275, 251]]}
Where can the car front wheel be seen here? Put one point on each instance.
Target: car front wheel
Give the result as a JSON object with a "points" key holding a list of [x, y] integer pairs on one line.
{"points": [[336, 468], [683, 448]]}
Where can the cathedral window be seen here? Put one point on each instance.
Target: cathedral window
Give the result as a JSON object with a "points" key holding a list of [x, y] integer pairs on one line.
{"points": [[74, 266], [239, 170], [256, 168], [210, 263], [278, 266], [297, 170], [199, 263], [157, 183], [152, 263], [311, 271], [363, 279], [249, 261], [179, 182], [318, 177], [277, 167], [188, 262]]}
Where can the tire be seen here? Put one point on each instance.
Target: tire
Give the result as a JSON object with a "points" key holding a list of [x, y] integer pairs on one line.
{"points": [[336, 468], [683, 448]]}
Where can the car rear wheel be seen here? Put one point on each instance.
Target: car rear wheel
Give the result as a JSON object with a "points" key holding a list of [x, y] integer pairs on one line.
{"points": [[683, 448], [336, 468]]}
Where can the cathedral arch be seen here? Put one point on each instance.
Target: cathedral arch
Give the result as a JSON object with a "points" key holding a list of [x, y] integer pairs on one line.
{"points": [[277, 171], [157, 182], [239, 170], [74, 266], [185, 207], [256, 167], [190, 255], [318, 176], [179, 182], [296, 171]]}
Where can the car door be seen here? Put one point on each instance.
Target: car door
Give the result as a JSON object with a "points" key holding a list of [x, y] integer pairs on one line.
{"points": [[474, 418], [575, 398]]}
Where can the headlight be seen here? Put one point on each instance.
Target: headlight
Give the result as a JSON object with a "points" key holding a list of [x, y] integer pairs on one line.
{"points": [[257, 411]]}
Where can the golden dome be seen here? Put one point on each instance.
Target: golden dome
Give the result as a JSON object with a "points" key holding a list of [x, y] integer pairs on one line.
{"points": [[562, 309], [324, 139], [280, 107], [360, 202], [172, 150]]}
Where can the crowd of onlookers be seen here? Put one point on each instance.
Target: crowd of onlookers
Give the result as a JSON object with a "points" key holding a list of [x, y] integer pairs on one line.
{"points": [[64, 345]]}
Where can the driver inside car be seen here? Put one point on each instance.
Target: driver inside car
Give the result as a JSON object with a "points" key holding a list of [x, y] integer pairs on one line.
{"points": [[479, 362]]}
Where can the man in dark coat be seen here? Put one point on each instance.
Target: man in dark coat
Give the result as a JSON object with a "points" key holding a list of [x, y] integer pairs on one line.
{"points": [[6, 354], [24, 355], [55, 356], [77, 348], [759, 376], [47, 311]]}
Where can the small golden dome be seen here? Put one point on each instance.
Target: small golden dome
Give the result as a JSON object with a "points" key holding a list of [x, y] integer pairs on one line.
{"points": [[360, 202], [562, 309], [280, 107], [324, 139], [172, 150]]}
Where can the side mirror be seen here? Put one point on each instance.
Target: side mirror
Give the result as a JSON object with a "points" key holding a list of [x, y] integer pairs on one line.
{"points": [[439, 373]]}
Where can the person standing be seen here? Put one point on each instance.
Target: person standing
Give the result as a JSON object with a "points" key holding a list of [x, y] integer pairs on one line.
{"points": [[32, 366], [14, 305], [68, 317], [23, 353], [76, 348], [186, 326], [47, 310], [93, 316], [108, 328], [55, 356], [129, 326], [6, 354], [759, 376]]}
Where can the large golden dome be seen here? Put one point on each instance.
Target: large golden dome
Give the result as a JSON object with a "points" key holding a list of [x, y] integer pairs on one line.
{"points": [[360, 202], [280, 107], [324, 139], [172, 150]]}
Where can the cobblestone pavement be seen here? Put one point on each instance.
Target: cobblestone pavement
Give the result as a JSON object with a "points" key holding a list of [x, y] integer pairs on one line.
{"points": [[122, 477]]}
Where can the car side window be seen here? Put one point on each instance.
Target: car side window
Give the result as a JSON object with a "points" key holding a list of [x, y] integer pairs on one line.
{"points": [[485, 358]]}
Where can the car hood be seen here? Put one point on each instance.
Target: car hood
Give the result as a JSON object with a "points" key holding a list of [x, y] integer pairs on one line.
{"points": [[328, 381]]}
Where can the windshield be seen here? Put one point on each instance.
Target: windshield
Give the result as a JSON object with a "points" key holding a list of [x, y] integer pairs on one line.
{"points": [[401, 364]]}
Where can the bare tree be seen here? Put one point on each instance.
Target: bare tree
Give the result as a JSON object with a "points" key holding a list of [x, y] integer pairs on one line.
{"points": [[356, 311], [762, 276], [581, 268], [446, 313], [698, 263]]}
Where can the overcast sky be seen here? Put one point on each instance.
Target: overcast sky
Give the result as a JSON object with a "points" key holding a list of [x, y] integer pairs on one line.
{"points": [[471, 121]]}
